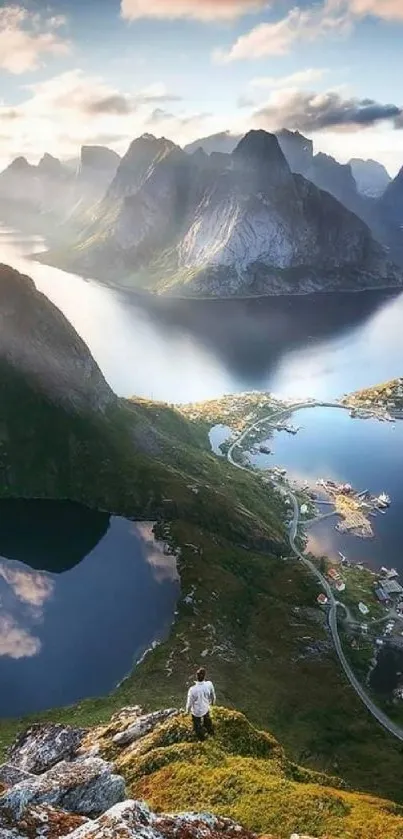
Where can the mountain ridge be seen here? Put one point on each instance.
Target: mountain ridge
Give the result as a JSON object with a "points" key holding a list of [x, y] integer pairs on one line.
{"points": [[175, 226]]}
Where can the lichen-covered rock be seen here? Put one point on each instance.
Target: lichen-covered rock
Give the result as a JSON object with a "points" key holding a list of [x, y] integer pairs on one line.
{"points": [[39, 822], [10, 775], [128, 820], [103, 734], [199, 826], [85, 786], [43, 745], [133, 820], [143, 725]]}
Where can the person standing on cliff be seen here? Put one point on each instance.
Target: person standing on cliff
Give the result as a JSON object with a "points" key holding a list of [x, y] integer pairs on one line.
{"points": [[201, 696]]}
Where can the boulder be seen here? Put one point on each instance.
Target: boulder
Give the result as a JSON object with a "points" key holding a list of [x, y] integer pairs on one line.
{"points": [[39, 822], [10, 775], [86, 786], [199, 826], [128, 820], [133, 820], [43, 745], [143, 725]]}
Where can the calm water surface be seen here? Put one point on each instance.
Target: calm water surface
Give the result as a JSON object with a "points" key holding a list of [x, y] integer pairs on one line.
{"points": [[366, 453], [321, 345], [83, 595]]}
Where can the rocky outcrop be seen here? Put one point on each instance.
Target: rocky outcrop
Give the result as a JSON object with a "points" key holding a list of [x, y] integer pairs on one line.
{"points": [[83, 798], [86, 786], [143, 725], [40, 822], [43, 745]]}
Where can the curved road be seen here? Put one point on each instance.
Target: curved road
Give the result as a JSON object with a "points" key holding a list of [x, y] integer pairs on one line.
{"points": [[382, 718]]}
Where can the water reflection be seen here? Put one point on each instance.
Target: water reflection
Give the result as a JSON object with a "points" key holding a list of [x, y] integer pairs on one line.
{"points": [[186, 350], [76, 628]]}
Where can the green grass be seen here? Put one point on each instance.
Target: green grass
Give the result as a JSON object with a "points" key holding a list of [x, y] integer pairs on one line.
{"points": [[245, 774]]}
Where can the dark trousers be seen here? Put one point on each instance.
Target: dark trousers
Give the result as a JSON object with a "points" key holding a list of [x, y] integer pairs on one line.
{"points": [[202, 726]]}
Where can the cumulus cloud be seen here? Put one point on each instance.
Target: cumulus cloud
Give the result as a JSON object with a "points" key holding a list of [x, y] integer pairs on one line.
{"points": [[204, 10], [298, 79], [310, 112], [26, 37], [332, 17], [16, 642], [72, 109], [386, 9], [279, 37]]}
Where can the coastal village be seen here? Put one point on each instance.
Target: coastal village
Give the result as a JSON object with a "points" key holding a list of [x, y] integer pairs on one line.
{"points": [[371, 602]]}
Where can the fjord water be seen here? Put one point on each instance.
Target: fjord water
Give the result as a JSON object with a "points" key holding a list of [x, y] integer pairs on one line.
{"points": [[83, 595], [321, 345], [366, 453]]}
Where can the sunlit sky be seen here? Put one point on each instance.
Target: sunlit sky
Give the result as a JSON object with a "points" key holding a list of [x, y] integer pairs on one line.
{"points": [[74, 72]]}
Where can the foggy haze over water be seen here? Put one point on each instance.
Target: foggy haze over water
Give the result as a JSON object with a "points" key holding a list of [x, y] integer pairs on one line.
{"points": [[183, 350]]}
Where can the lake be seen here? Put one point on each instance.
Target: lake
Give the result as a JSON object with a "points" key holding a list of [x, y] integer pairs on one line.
{"points": [[83, 595], [178, 351]]}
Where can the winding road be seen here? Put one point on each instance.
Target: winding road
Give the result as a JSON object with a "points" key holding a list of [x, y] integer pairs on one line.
{"points": [[376, 712]]}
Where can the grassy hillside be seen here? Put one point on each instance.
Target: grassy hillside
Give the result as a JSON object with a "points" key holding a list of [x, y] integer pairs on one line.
{"points": [[244, 773]]}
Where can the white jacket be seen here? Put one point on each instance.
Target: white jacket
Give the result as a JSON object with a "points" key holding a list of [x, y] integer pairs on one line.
{"points": [[200, 697]]}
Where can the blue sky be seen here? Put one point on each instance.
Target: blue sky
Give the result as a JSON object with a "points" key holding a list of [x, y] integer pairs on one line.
{"points": [[77, 71]]}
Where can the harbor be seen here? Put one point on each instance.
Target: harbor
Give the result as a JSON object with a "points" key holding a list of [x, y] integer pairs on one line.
{"points": [[354, 508]]}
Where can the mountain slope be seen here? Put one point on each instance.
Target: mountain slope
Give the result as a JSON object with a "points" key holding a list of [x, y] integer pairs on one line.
{"points": [[242, 224]]}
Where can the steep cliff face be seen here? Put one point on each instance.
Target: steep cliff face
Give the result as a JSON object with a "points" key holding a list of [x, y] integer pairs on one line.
{"points": [[238, 224], [391, 202], [39, 344]]}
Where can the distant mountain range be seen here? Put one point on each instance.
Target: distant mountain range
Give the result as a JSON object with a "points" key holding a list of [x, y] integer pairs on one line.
{"points": [[223, 217]]}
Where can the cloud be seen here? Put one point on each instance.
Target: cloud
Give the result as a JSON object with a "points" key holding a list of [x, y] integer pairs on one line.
{"points": [[279, 37], [298, 79], [16, 642], [204, 10], [386, 9], [31, 587], [312, 112], [332, 17], [26, 37], [71, 109], [163, 566]]}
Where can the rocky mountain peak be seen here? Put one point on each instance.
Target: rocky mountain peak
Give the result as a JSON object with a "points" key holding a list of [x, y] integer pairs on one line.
{"points": [[298, 150], [371, 177], [20, 164], [257, 148], [259, 153], [143, 154], [99, 157], [50, 165]]}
